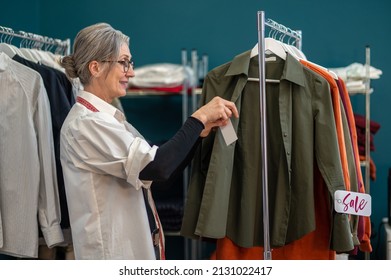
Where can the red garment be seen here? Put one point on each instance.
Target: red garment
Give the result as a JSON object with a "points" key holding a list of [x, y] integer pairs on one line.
{"points": [[361, 137], [360, 122], [177, 89], [361, 141]]}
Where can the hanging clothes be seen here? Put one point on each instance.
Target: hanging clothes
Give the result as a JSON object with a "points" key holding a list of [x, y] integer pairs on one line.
{"points": [[28, 181], [364, 227], [360, 225], [61, 97], [345, 149], [301, 130]]}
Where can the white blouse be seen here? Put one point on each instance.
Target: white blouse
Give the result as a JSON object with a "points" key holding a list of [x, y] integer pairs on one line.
{"points": [[102, 156]]}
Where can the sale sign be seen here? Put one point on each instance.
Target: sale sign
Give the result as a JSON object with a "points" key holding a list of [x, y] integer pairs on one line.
{"points": [[353, 203]]}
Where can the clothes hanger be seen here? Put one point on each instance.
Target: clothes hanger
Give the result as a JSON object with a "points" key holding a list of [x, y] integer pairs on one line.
{"points": [[271, 45], [298, 52], [37, 50], [290, 45], [27, 54], [333, 74], [8, 49], [6, 45]]}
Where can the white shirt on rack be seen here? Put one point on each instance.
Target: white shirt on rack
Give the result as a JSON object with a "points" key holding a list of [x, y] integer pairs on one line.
{"points": [[28, 180], [102, 156]]}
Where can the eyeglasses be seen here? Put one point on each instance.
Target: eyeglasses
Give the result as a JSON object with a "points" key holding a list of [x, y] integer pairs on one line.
{"points": [[126, 64]]}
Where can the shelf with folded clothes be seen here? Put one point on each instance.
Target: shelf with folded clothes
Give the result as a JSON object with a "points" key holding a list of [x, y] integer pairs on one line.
{"points": [[168, 78], [356, 76], [354, 91], [163, 79]]}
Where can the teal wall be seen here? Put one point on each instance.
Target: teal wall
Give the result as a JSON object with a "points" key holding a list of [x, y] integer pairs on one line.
{"points": [[335, 34]]}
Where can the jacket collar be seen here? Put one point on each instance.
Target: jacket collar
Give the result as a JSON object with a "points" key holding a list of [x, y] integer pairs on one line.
{"points": [[293, 69]]}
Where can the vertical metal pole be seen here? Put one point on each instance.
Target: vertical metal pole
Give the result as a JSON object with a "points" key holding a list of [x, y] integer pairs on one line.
{"points": [[205, 64], [261, 59], [184, 117], [299, 43], [69, 47], [367, 124], [194, 66], [367, 117], [185, 87], [195, 244]]}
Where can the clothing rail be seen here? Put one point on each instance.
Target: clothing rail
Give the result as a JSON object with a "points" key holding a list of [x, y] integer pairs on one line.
{"points": [[296, 35], [31, 40]]}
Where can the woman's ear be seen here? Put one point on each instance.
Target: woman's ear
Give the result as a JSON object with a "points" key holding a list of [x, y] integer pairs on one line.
{"points": [[95, 68]]}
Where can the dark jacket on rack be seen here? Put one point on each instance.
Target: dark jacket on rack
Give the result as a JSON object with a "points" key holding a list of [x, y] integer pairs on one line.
{"points": [[225, 192]]}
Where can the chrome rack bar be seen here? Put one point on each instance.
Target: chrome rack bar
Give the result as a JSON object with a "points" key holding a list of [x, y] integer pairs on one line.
{"points": [[262, 83], [40, 40]]}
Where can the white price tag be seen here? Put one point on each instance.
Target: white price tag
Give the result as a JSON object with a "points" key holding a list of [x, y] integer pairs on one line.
{"points": [[353, 203], [229, 133]]}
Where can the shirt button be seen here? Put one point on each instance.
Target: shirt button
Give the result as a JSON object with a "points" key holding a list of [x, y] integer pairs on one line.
{"points": [[288, 153], [285, 134]]}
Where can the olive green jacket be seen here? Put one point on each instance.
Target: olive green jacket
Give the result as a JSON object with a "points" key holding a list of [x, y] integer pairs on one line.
{"points": [[225, 189]]}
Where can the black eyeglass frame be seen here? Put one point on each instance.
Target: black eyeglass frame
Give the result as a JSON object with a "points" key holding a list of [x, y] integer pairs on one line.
{"points": [[126, 64]]}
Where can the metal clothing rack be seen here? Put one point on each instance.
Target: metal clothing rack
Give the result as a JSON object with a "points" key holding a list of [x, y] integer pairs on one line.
{"points": [[34, 41], [192, 248], [296, 37], [367, 117], [367, 124]]}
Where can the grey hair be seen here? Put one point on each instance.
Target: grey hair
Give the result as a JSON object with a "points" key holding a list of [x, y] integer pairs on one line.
{"points": [[97, 42]]}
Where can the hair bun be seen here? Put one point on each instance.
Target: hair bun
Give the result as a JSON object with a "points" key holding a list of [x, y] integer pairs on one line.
{"points": [[69, 65]]}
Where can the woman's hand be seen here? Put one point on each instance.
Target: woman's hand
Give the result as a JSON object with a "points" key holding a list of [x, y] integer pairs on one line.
{"points": [[215, 113]]}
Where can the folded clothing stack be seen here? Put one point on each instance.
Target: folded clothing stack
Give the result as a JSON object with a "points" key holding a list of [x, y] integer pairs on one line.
{"points": [[354, 76], [164, 77]]}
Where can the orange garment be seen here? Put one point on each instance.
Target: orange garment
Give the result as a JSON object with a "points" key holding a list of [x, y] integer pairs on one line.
{"points": [[365, 242], [337, 116], [313, 246], [353, 131]]}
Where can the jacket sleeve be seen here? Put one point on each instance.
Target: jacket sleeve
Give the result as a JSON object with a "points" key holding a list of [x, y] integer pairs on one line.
{"points": [[49, 214], [329, 162]]}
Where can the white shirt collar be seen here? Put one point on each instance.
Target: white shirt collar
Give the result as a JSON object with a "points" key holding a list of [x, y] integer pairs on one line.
{"points": [[101, 105]]}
